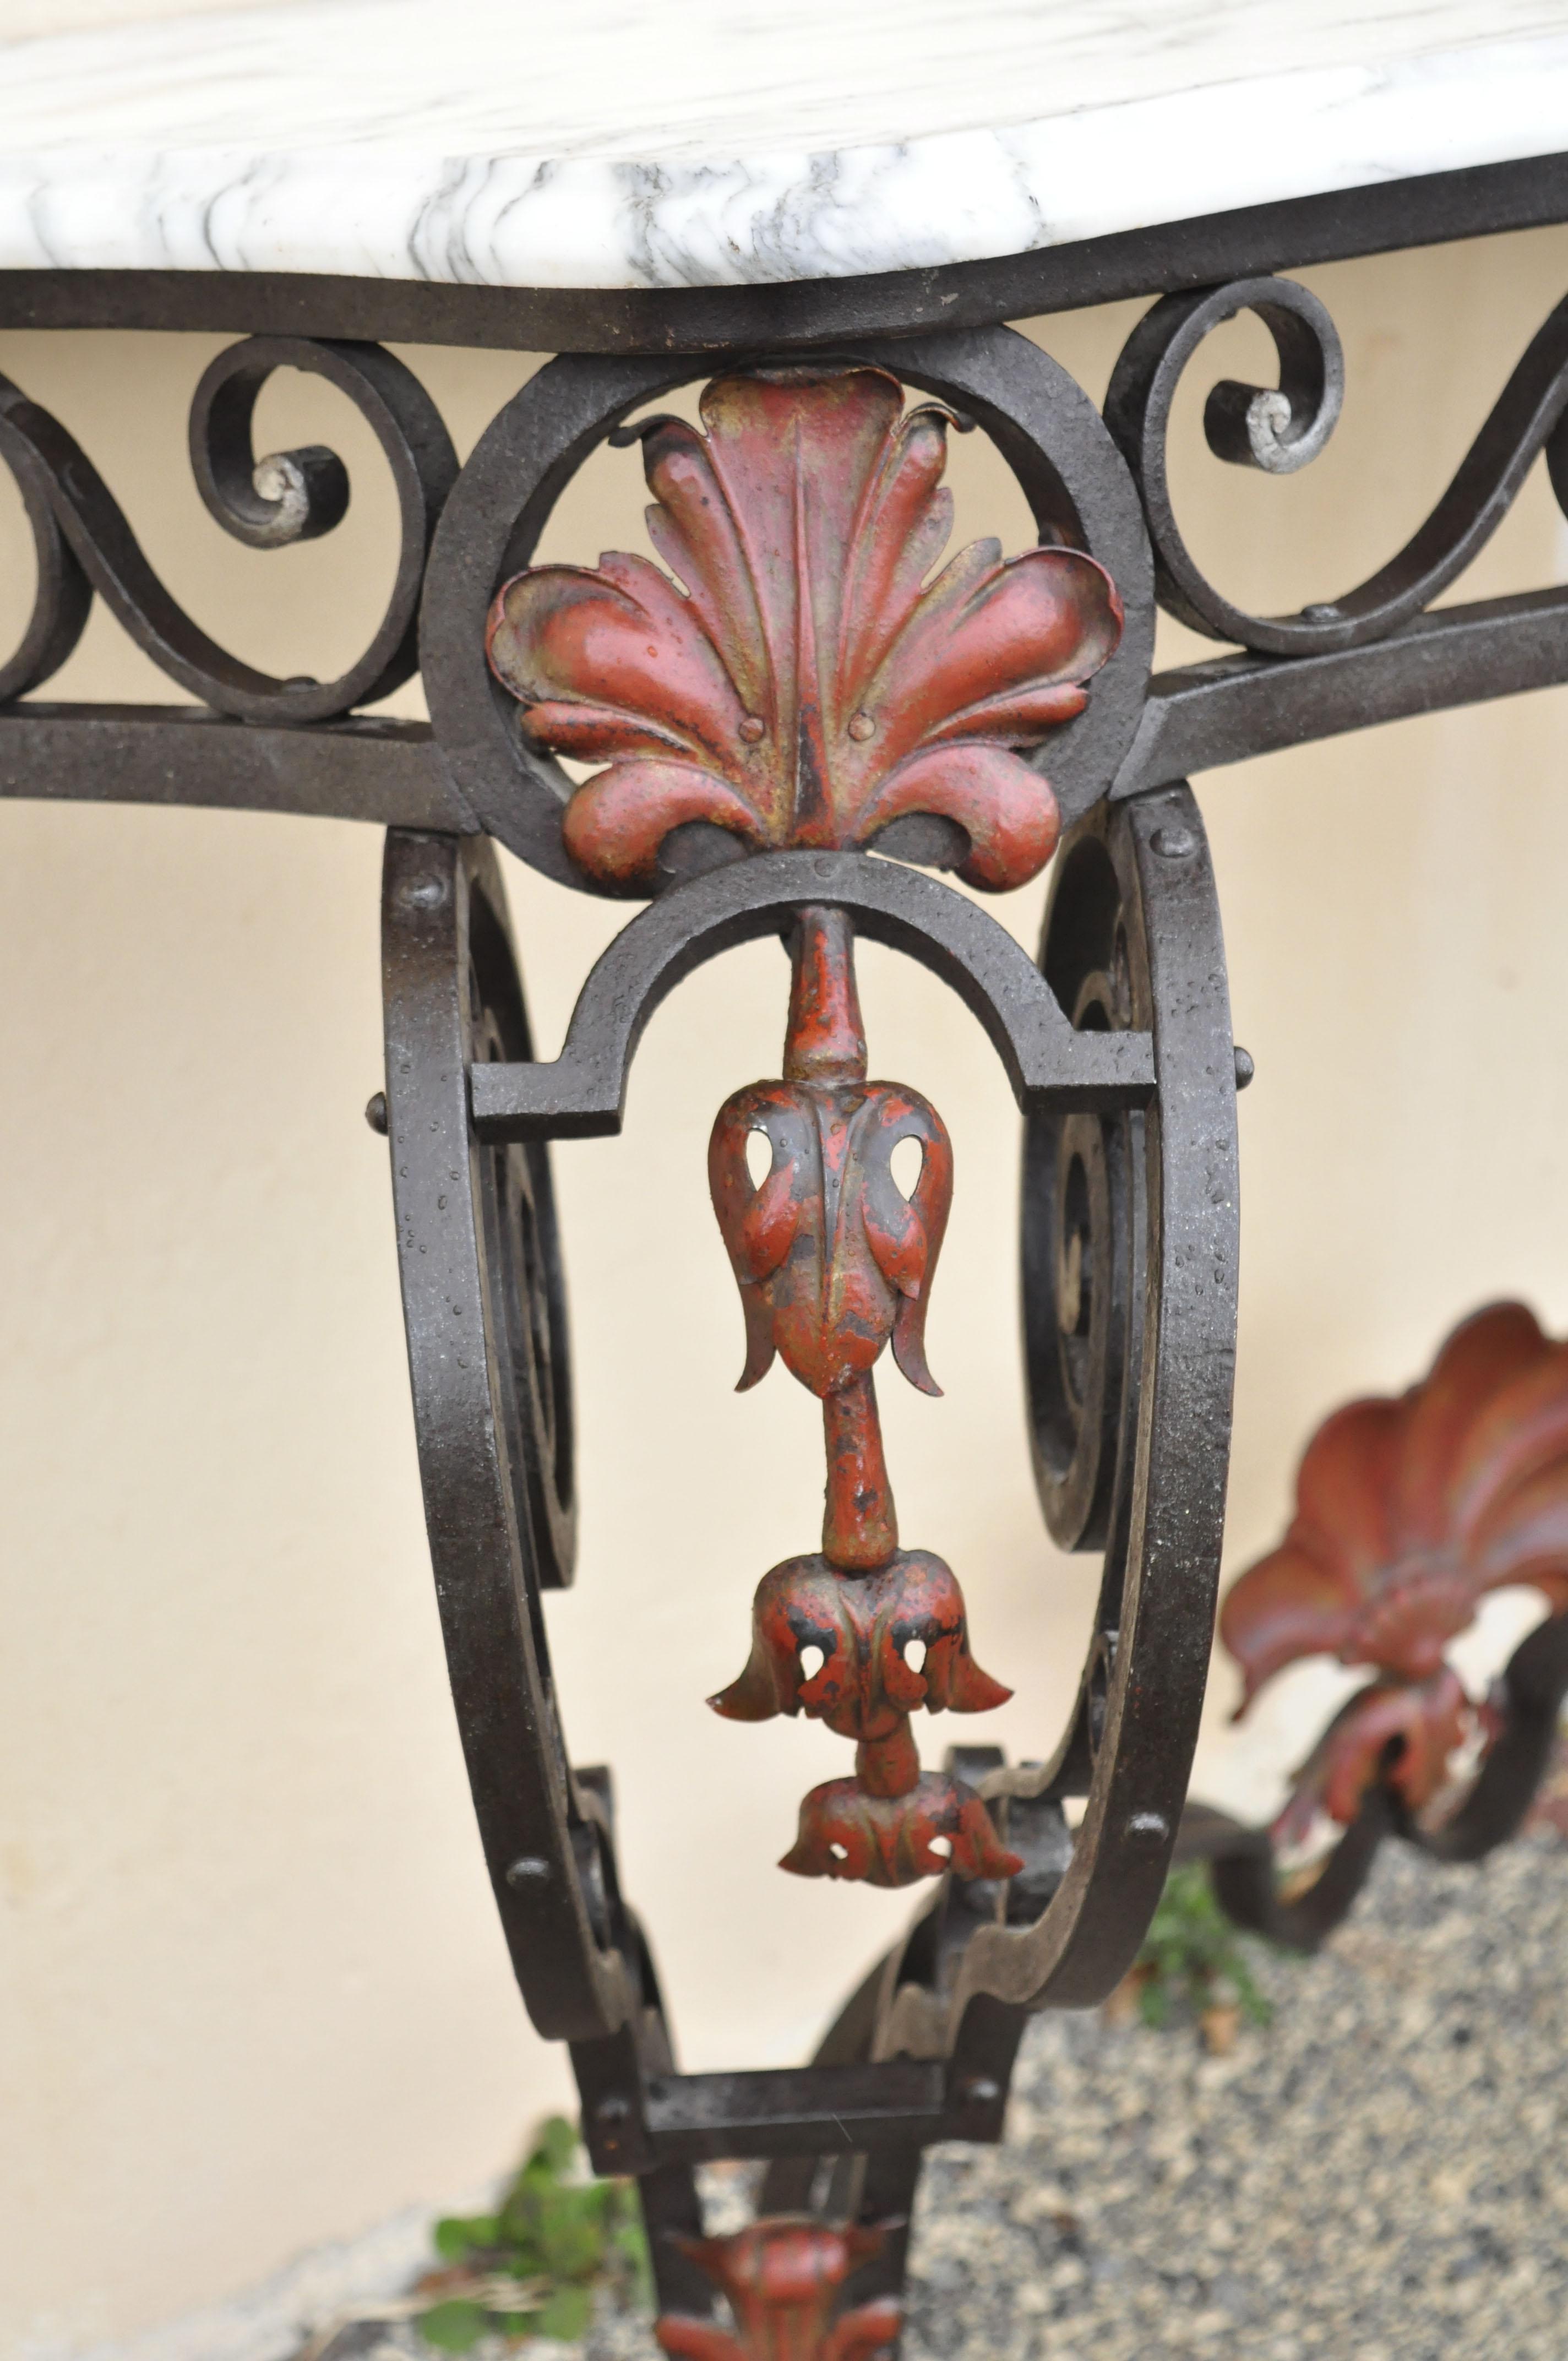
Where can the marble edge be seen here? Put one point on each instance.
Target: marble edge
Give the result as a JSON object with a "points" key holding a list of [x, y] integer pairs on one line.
{"points": [[389, 210]]}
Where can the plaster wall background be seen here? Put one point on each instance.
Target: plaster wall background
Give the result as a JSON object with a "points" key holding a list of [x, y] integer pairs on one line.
{"points": [[251, 1993]]}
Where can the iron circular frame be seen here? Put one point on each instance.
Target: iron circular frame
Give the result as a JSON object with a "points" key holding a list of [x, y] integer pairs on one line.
{"points": [[1044, 424]]}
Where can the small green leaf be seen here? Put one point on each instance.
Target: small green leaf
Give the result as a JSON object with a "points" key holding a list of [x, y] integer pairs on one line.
{"points": [[523, 2259], [556, 2146], [457, 2235], [453, 2326], [571, 2246], [1193, 1952], [566, 2314]]}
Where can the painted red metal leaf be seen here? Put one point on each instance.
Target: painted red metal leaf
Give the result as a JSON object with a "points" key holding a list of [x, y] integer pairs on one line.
{"points": [[889, 1839], [1402, 1731], [782, 2277], [812, 684], [1410, 1510], [864, 1688]]}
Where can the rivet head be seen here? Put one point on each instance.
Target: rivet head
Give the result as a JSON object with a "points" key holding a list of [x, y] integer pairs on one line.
{"points": [[528, 1870], [376, 1112], [1246, 1069], [424, 893], [1174, 843], [613, 2110], [753, 730], [982, 2091], [861, 727]]}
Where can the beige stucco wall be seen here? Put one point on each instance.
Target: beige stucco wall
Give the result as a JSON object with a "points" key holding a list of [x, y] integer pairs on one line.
{"points": [[251, 1992]]}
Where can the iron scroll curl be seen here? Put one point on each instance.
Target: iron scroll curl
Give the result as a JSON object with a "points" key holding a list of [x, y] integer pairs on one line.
{"points": [[1281, 429], [85, 548]]}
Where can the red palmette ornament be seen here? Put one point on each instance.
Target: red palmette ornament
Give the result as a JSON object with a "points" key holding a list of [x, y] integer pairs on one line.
{"points": [[782, 2277], [808, 688], [1408, 1511], [811, 687]]}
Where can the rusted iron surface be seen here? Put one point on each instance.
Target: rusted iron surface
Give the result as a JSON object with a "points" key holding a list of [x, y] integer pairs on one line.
{"points": [[1408, 1511], [833, 1263], [811, 687], [783, 2277]]}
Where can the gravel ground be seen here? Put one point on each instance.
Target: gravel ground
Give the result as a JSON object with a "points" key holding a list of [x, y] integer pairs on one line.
{"points": [[1381, 2174]]}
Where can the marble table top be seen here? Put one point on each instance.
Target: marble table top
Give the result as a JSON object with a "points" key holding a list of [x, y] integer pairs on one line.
{"points": [[660, 144]]}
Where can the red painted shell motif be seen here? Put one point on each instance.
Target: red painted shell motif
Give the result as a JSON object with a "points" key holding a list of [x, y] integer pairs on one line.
{"points": [[811, 686], [1408, 1511]]}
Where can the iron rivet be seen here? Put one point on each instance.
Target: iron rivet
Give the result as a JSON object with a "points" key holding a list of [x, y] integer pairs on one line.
{"points": [[861, 727], [1319, 613], [982, 2091], [376, 1112], [528, 1870], [1146, 1826], [613, 2110], [1174, 843], [424, 893], [753, 729], [1246, 1069]]}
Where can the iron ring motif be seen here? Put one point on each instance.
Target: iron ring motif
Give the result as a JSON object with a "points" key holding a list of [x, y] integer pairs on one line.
{"points": [[1043, 425]]}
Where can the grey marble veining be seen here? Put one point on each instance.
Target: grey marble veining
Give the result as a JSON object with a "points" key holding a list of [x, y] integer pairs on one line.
{"points": [[609, 143]]}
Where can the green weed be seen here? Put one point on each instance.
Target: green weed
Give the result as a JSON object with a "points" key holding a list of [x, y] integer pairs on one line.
{"points": [[531, 2268], [1193, 1954]]}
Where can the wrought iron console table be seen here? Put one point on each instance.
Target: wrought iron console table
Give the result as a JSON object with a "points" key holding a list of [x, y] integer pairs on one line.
{"points": [[797, 734]]}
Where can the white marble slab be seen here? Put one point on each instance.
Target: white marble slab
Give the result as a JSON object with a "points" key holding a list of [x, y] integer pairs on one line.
{"points": [[678, 143]]}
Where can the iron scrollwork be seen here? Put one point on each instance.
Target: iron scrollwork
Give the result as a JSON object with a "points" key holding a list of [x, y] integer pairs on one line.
{"points": [[817, 687], [1372, 654], [747, 759], [789, 736], [1279, 429], [86, 546]]}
